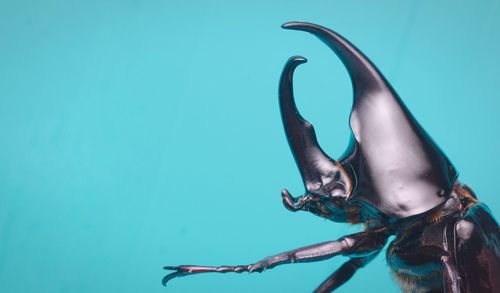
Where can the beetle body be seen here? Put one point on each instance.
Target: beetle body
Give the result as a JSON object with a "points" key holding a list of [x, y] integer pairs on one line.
{"points": [[453, 248], [393, 178]]}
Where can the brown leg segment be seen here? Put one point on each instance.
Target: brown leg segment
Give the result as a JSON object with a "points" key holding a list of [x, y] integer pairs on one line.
{"points": [[357, 245]]}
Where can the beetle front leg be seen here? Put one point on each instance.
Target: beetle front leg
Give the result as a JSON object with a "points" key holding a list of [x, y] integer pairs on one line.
{"points": [[344, 273], [451, 278], [452, 282], [356, 245], [193, 269]]}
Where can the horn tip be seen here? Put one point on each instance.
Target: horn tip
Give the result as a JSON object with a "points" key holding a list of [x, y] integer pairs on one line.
{"points": [[297, 60], [295, 25]]}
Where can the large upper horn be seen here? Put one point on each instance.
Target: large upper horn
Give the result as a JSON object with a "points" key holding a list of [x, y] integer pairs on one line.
{"points": [[364, 75]]}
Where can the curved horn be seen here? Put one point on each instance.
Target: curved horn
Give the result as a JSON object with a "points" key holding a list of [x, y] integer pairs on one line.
{"points": [[316, 168], [389, 148], [365, 77]]}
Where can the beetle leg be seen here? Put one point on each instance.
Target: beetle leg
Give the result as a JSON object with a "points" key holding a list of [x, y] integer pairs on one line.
{"points": [[193, 269], [344, 273], [451, 278], [355, 245]]}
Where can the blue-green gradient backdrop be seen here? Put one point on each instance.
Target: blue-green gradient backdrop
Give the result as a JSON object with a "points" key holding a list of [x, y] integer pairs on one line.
{"points": [[136, 134]]}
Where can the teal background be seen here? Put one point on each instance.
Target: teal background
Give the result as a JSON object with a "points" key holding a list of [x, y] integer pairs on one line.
{"points": [[137, 134]]}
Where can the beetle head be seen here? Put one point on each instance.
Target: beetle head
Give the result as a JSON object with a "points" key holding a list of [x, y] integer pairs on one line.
{"points": [[391, 163]]}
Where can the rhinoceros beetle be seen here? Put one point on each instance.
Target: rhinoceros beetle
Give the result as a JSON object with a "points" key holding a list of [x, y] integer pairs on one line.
{"points": [[394, 179]]}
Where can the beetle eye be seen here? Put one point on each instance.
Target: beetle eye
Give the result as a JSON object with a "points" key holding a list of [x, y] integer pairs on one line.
{"points": [[337, 190]]}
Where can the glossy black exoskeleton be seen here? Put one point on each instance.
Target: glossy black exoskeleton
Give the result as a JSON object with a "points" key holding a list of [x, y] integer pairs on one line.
{"points": [[395, 180]]}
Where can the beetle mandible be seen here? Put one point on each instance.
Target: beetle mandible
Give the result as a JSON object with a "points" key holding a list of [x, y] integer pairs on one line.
{"points": [[395, 180]]}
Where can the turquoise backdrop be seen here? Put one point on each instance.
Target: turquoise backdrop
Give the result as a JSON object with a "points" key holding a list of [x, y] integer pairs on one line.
{"points": [[136, 134]]}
